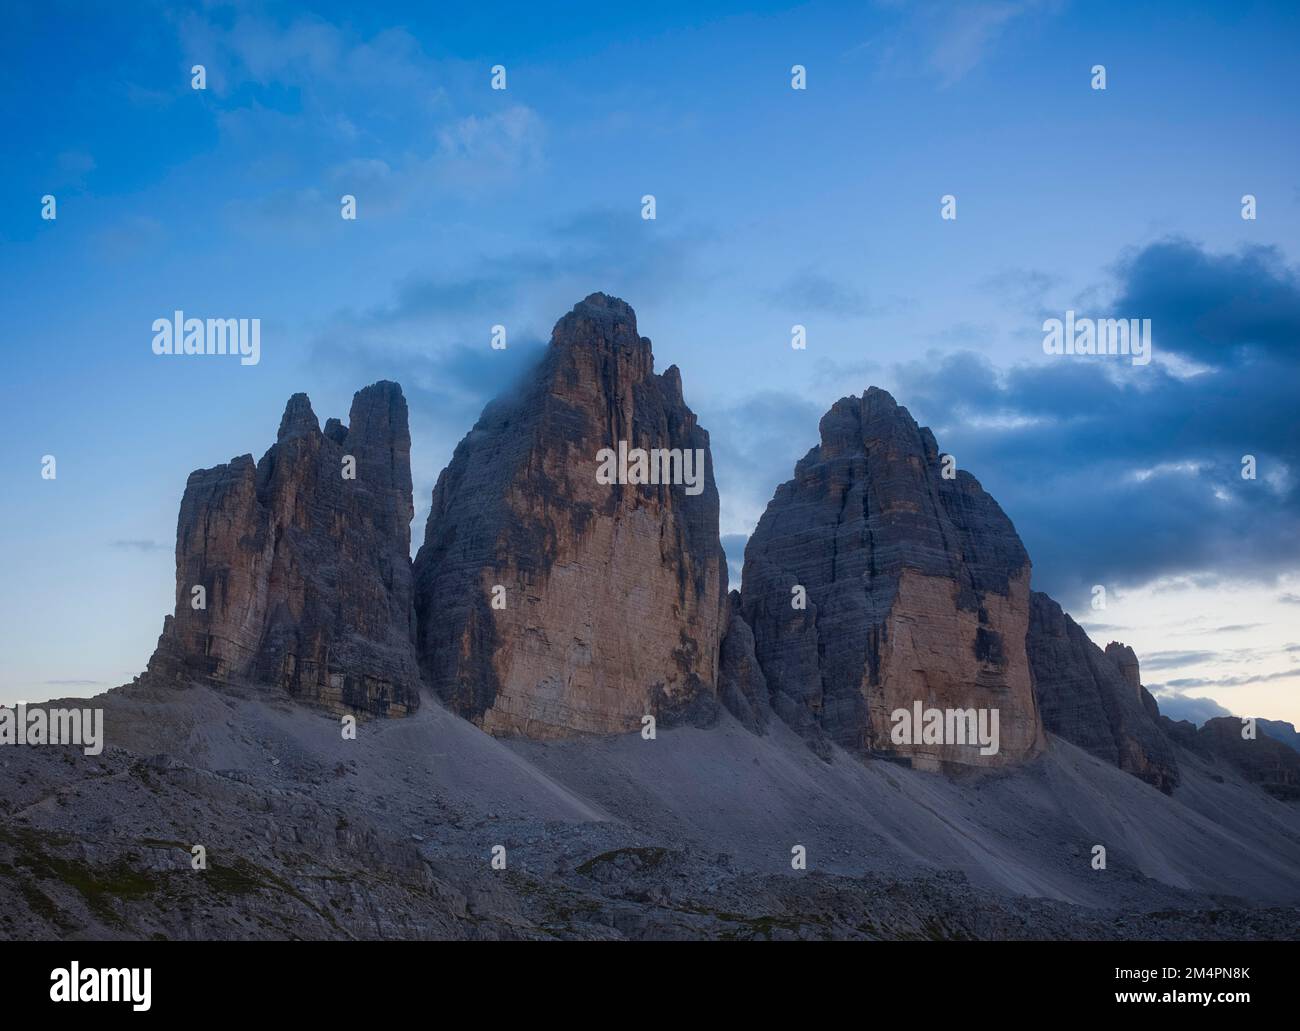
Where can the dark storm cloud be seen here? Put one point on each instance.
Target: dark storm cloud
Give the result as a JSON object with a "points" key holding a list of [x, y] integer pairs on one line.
{"points": [[1116, 474], [1211, 308]]}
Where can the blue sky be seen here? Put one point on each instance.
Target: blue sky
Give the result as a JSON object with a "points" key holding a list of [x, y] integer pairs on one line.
{"points": [[774, 207]]}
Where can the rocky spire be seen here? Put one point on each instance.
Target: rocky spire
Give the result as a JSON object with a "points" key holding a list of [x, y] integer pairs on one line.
{"points": [[295, 573], [1126, 661], [550, 602], [874, 582]]}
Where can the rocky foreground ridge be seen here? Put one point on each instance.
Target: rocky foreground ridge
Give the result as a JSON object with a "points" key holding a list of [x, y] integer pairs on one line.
{"points": [[547, 601]]}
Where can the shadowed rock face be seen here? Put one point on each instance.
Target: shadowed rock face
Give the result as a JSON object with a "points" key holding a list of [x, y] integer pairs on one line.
{"points": [[1095, 699], [1280, 730], [917, 589], [1261, 759], [613, 593], [742, 688], [307, 573]]}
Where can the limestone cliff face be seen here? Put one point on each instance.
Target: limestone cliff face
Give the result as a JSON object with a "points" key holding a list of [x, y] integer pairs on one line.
{"points": [[917, 590], [611, 594], [305, 571], [1095, 699]]}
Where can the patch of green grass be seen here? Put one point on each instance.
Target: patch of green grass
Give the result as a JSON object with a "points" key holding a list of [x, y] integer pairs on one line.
{"points": [[650, 858], [100, 888]]}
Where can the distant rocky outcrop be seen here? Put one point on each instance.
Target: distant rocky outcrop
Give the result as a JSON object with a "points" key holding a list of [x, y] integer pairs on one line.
{"points": [[914, 586], [1260, 759], [550, 603], [1095, 698], [303, 561], [1281, 730]]}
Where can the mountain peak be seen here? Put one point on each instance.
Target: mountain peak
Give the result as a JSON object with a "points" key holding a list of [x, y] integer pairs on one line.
{"points": [[600, 320], [298, 418], [303, 564], [914, 588], [550, 598]]}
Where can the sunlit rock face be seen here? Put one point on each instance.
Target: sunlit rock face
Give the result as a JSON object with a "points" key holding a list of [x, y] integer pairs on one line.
{"points": [[550, 603]]}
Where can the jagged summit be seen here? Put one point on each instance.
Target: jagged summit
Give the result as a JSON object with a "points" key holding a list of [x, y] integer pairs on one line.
{"points": [[298, 418], [549, 598], [549, 602], [876, 579], [598, 307], [295, 573]]}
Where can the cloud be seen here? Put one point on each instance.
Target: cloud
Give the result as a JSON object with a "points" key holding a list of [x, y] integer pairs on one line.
{"points": [[953, 39], [1121, 475], [1214, 309], [597, 249], [317, 109], [1195, 710], [734, 546], [756, 443], [966, 33], [1175, 659], [450, 385], [814, 292], [140, 545], [1240, 680], [483, 149], [831, 375], [1023, 287], [73, 683], [322, 61]]}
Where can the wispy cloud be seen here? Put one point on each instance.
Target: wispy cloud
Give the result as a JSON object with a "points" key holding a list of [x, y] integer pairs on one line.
{"points": [[1189, 683], [950, 40], [139, 545], [813, 291]]}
